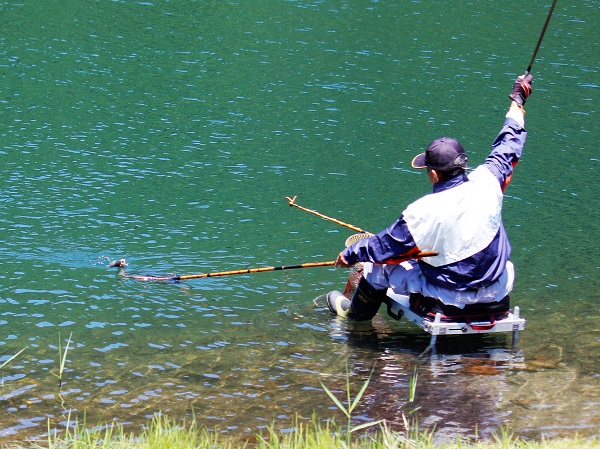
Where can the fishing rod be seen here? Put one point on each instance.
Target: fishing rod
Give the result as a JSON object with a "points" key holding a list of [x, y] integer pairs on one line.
{"points": [[121, 264], [243, 271], [539, 42], [292, 203], [362, 234]]}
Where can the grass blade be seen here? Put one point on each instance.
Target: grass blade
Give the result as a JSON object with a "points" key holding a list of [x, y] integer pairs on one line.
{"points": [[12, 358], [361, 392], [367, 424], [335, 400]]}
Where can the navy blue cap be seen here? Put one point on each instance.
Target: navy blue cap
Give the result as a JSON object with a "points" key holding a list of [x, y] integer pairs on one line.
{"points": [[443, 154]]}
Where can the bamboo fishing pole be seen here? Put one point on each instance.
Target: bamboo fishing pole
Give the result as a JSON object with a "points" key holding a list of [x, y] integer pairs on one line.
{"points": [[248, 270], [292, 203], [121, 264]]}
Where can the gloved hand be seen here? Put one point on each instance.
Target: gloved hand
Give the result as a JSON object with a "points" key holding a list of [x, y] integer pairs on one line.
{"points": [[521, 89]]}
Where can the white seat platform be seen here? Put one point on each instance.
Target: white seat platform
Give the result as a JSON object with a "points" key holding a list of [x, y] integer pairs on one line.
{"points": [[400, 306]]}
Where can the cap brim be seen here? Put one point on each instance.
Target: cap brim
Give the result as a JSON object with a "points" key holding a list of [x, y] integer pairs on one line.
{"points": [[419, 161]]}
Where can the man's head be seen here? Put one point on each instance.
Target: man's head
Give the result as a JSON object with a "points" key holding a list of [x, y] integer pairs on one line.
{"points": [[444, 157]]}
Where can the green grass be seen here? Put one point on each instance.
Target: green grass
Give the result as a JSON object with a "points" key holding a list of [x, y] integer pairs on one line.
{"points": [[167, 433]]}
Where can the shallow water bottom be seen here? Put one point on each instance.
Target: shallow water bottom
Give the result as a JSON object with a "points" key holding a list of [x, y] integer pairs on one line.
{"points": [[249, 368]]}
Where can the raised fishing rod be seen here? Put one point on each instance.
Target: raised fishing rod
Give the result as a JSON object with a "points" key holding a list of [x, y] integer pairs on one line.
{"points": [[539, 42], [292, 203], [121, 264]]}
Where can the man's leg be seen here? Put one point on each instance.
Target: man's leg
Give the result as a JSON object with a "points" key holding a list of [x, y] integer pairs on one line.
{"points": [[363, 306], [367, 298]]}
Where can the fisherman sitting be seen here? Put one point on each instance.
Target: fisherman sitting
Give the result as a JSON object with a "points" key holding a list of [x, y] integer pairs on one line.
{"points": [[461, 221]]}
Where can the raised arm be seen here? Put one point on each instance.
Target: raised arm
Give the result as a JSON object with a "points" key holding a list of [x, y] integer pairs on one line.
{"points": [[508, 145]]}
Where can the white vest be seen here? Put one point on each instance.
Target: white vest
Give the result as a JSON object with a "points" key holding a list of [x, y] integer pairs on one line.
{"points": [[457, 222]]}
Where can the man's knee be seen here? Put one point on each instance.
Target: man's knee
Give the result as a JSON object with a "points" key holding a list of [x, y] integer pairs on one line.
{"points": [[364, 304], [366, 301]]}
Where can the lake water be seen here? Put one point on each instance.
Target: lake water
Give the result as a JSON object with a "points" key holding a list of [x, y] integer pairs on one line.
{"points": [[170, 133]]}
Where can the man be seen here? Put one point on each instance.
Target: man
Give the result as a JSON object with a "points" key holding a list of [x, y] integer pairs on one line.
{"points": [[460, 220]]}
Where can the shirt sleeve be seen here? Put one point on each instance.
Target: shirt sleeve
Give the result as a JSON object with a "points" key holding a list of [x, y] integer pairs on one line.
{"points": [[507, 149], [395, 241]]}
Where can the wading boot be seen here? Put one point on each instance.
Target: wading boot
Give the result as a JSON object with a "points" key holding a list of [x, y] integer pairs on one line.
{"points": [[363, 306]]}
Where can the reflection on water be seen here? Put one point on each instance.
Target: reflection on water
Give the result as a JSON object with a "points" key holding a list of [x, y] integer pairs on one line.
{"points": [[170, 134]]}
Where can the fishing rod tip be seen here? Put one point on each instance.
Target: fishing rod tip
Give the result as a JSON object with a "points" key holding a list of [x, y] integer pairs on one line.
{"points": [[121, 263]]}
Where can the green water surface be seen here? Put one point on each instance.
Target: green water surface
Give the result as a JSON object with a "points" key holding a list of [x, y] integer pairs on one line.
{"points": [[170, 133]]}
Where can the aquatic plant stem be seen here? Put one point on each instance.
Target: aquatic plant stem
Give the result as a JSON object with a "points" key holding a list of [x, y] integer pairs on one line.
{"points": [[351, 405], [62, 360], [412, 385]]}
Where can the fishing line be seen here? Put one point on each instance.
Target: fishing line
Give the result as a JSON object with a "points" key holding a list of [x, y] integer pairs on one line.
{"points": [[539, 42]]}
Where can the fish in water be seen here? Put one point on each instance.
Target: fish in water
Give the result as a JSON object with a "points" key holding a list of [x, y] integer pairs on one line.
{"points": [[118, 263], [121, 264]]}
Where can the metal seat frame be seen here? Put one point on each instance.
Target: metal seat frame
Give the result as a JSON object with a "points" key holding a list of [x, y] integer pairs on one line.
{"points": [[399, 305]]}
